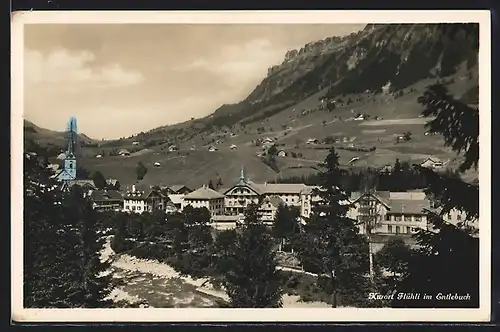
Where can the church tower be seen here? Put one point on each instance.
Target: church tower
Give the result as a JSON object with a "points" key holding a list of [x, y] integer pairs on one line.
{"points": [[68, 172]]}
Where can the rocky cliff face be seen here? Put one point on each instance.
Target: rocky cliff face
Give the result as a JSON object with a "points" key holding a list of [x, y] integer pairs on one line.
{"points": [[380, 55]]}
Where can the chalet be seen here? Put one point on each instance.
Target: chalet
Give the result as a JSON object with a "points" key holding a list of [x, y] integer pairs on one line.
{"points": [[157, 164], [173, 148], [281, 153], [212, 148], [205, 197], [360, 117], [432, 163], [99, 156], [233, 147], [106, 200], [124, 152], [267, 140], [138, 201], [312, 141], [269, 206], [398, 212], [193, 148], [86, 185], [61, 156], [245, 192], [113, 183], [350, 146], [179, 189], [175, 202], [135, 143]]}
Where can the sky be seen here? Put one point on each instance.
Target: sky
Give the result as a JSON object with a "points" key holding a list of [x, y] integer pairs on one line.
{"points": [[121, 79]]}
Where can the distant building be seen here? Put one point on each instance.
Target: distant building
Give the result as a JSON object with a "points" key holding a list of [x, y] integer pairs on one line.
{"points": [[135, 143], [176, 202], [281, 153], [212, 148], [178, 189], [312, 141], [99, 156], [106, 200], [432, 163], [157, 164], [113, 183], [205, 197], [233, 147], [86, 184], [124, 152], [138, 201], [269, 206]]}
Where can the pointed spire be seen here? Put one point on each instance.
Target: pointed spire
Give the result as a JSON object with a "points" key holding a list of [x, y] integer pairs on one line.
{"points": [[243, 180]]}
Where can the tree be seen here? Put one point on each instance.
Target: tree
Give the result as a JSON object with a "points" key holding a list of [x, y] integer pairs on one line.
{"points": [[248, 265], [211, 185], [95, 284], [451, 250], [219, 183], [272, 151], [62, 266], [286, 224], [394, 256], [99, 180], [407, 136], [330, 243], [140, 171], [330, 105]]}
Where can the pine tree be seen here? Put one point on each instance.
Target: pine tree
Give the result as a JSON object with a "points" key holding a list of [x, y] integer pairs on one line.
{"points": [[452, 251], [99, 180], [331, 244], [248, 266], [211, 185], [286, 224]]}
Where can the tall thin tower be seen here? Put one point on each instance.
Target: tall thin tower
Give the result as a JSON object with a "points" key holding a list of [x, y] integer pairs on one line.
{"points": [[68, 172]]}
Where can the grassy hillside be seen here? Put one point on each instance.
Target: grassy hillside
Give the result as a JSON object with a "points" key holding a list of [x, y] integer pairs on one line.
{"points": [[379, 73]]}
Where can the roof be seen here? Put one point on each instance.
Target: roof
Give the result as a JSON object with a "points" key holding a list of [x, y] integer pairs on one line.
{"points": [[409, 206], [412, 202], [123, 151], [203, 193], [176, 198], [82, 183], [177, 187], [280, 188], [275, 201], [111, 181], [105, 195], [140, 194]]}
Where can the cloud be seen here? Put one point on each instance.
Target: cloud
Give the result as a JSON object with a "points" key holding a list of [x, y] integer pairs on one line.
{"points": [[240, 63], [62, 66]]}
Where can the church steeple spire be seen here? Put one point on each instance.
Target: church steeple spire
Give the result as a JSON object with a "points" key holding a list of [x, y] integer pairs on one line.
{"points": [[243, 180]]}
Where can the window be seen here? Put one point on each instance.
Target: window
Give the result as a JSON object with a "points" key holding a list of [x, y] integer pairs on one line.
{"points": [[459, 217], [418, 218], [389, 228], [133, 208], [408, 230], [397, 230], [397, 218], [407, 218], [388, 217]]}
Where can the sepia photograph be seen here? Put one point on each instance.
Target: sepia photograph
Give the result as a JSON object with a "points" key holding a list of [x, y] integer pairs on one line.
{"points": [[320, 165]]}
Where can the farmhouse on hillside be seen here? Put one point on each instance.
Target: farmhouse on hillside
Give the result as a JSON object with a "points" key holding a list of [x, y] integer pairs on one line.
{"points": [[432, 163], [281, 153], [157, 164], [124, 152], [233, 147], [212, 148]]}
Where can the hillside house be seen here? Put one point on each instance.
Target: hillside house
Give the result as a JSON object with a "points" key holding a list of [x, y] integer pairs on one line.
{"points": [[360, 117], [281, 153], [135, 143], [157, 164], [124, 152], [106, 200], [205, 197], [173, 148], [312, 141], [61, 156], [267, 140], [99, 156], [212, 148], [113, 183], [138, 201], [432, 163], [233, 147]]}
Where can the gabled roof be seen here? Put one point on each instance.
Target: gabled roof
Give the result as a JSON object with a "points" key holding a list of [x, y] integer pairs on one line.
{"points": [[177, 187], [275, 201], [203, 193], [176, 198], [106, 195]]}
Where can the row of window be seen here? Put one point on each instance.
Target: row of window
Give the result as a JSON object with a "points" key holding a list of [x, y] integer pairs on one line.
{"points": [[408, 218], [398, 229]]}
